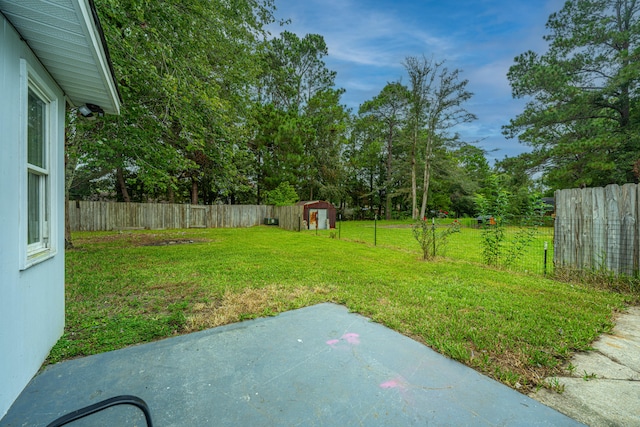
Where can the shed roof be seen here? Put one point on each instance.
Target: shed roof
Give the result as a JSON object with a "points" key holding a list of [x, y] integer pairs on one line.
{"points": [[312, 202], [67, 38]]}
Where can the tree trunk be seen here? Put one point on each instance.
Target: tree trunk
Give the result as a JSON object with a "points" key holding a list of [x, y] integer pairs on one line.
{"points": [[425, 188], [414, 190], [389, 173], [170, 194], [194, 191], [68, 177], [69, 172], [68, 242], [427, 175], [123, 185]]}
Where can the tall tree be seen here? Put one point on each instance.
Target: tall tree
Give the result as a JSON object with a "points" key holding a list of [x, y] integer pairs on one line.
{"points": [[437, 98], [328, 121], [364, 162], [421, 75], [582, 115], [445, 111], [470, 176], [279, 148], [389, 107], [299, 117], [294, 70], [185, 70]]}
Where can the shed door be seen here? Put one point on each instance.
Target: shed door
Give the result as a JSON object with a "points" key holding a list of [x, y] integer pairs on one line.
{"points": [[319, 217]]}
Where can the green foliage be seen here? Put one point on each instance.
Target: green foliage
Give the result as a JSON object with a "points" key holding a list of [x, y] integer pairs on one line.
{"points": [[492, 214], [185, 71], [283, 195], [432, 239], [299, 123], [389, 107], [436, 106], [582, 115], [294, 71], [217, 110], [494, 209]]}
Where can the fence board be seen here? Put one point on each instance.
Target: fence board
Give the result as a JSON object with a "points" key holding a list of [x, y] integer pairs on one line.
{"points": [[586, 219], [613, 227], [628, 255], [597, 228], [599, 239], [107, 216]]}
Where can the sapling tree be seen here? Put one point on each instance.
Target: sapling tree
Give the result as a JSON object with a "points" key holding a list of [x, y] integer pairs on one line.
{"points": [[494, 210], [433, 239]]}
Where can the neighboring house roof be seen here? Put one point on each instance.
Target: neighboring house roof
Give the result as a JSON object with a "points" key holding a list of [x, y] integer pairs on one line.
{"points": [[67, 38]]}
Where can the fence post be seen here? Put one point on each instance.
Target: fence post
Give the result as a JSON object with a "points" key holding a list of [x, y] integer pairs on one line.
{"points": [[433, 232], [545, 258], [375, 230]]}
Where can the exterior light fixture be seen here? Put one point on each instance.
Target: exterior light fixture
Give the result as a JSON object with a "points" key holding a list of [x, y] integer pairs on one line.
{"points": [[88, 110]]}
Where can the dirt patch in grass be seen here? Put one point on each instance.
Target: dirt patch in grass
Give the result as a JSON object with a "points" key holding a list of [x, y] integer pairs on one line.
{"points": [[250, 303], [170, 242], [142, 238]]}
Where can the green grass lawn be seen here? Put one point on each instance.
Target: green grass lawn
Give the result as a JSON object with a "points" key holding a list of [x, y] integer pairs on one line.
{"points": [[465, 245], [131, 287]]}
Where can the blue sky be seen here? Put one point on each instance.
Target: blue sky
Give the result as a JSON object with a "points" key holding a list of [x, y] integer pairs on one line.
{"points": [[368, 41]]}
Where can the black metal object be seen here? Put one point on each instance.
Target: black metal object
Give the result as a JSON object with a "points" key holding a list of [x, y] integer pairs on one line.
{"points": [[375, 230], [97, 407]]}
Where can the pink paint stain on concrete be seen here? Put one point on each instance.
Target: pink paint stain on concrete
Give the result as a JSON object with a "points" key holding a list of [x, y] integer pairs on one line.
{"points": [[395, 383], [351, 338], [389, 384]]}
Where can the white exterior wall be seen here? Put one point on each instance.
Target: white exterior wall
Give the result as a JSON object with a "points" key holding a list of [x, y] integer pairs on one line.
{"points": [[31, 300]]}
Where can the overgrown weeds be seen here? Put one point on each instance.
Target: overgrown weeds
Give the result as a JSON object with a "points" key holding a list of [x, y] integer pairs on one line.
{"points": [[600, 278]]}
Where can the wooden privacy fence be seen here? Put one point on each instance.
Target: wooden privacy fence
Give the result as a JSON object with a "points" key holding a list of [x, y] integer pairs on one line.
{"points": [[106, 216], [597, 228]]}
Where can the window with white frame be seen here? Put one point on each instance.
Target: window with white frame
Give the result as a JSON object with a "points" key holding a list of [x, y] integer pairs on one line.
{"points": [[39, 105], [37, 173]]}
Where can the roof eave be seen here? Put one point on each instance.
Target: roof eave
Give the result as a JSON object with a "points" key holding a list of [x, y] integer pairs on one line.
{"points": [[40, 24]]}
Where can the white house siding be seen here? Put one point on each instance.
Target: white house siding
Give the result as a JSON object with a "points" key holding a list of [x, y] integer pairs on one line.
{"points": [[31, 300]]}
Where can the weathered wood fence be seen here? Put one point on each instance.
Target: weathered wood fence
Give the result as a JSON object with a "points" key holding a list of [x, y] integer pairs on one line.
{"points": [[598, 228], [106, 216]]}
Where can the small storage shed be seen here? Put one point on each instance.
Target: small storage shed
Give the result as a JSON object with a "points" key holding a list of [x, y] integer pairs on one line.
{"points": [[319, 213]]}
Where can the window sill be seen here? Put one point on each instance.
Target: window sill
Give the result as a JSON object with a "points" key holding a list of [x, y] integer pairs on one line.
{"points": [[38, 257]]}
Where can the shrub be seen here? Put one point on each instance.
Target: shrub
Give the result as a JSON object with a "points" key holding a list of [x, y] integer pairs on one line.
{"points": [[433, 239], [283, 195]]}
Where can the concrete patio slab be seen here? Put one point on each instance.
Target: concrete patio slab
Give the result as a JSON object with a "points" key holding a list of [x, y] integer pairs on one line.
{"points": [[603, 388], [319, 365]]}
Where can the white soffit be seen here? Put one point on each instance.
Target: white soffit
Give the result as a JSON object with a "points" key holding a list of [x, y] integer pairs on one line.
{"points": [[68, 41]]}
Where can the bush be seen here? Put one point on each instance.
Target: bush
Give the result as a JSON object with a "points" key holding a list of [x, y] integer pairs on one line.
{"points": [[433, 239], [283, 195]]}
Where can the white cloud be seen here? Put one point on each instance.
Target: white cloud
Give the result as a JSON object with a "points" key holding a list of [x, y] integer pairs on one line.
{"points": [[369, 39]]}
